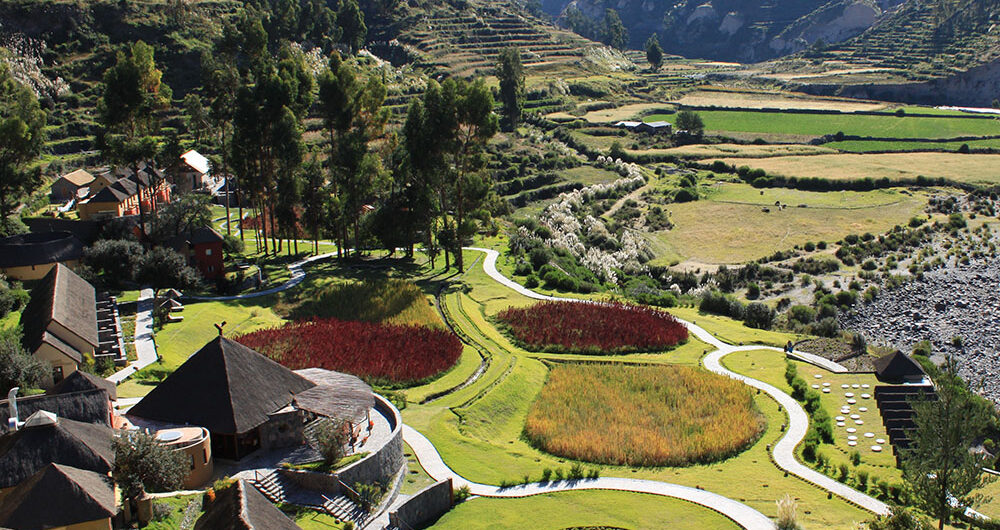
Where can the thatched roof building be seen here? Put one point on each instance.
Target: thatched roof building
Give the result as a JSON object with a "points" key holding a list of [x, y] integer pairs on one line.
{"points": [[59, 496], [897, 367], [241, 507], [87, 406], [80, 381], [337, 396], [46, 438]]}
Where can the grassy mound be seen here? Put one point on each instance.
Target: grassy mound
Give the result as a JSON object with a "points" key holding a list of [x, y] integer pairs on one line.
{"points": [[570, 327], [642, 415], [375, 300]]}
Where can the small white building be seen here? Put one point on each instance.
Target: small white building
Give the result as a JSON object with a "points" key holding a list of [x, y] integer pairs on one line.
{"points": [[190, 173]]}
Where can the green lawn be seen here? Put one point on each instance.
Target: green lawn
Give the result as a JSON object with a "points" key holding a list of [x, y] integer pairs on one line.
{"points": [[590, 509], [733, 331], [849, 124], [588, 175]]}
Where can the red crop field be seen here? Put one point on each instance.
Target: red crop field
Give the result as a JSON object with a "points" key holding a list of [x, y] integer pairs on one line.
{"points": [[378, 353], [573, 327]]}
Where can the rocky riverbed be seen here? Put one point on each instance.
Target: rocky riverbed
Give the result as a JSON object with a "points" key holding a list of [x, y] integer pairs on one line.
{"points": [[954, 301]]}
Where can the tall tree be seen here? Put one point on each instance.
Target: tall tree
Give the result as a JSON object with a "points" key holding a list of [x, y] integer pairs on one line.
{"points": [[654, 53], [510, 72], [615, 34], [351, 21], [354, 118], [18, 367], [129, 105], [143, 464], [196, 117], [691, 122], [22, 124], [939, 466], [315, 198]]}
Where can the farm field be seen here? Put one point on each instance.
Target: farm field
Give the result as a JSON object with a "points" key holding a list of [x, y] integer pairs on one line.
{"points": [[588, 175], [642, 415], [625, 112], [569, 327], [589, 509], [860, 146], [747, 194], [478, 429], [714, 232], [774, 100], [973, 169], [859, 125], [701, 151]]}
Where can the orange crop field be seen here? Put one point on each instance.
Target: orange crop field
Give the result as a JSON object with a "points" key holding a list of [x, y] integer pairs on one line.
{"points": [[642, 415]]}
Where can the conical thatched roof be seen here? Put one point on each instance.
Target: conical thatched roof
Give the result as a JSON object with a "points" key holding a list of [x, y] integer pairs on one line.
{"points": [[241, 507], [80, 381], [72, 443], [225, 387], [58, 496], [897, 366]]}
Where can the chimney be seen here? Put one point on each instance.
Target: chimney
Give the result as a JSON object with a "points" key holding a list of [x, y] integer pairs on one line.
{"points": [[12, 421]]}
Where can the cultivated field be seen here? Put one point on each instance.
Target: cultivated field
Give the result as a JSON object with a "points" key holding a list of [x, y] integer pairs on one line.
{"points": [[849, 124], [860, 146], [772, 100], [702, 151], [974, 169], [642, 415], [712, 231]]}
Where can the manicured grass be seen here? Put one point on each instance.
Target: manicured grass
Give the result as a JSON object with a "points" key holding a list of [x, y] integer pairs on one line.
{"points": [[733, 331], [711, 231], [642, 415], [975, 169], [849, 124], [574, 509], [416, 478], [467, 365], [389, 300], [851, 200], [176, 342], [177, 505]]}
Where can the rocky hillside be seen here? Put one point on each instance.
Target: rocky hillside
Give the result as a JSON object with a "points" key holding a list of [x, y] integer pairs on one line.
{"points": [[740, 30]]}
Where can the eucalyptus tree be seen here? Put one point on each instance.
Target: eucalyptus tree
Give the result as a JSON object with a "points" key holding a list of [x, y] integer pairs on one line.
{"points": [[22, 124]]}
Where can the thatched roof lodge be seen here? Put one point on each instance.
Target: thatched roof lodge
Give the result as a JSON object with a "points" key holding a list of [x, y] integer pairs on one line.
{"points": [[248, 401], [60, 496], [897, 367], [47, 438], [242, 507]]}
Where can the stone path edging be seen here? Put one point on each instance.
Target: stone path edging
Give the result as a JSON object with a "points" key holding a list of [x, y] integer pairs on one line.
{"points": [[784, 450], [145, 347]]}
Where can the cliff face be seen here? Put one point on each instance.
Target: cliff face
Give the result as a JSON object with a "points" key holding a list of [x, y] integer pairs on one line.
{"points": [[742, 30]]}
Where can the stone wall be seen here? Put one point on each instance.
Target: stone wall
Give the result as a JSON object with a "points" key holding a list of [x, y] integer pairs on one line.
{"points": [[312, 480], [383, 464], [424, 507], [282, 429]]}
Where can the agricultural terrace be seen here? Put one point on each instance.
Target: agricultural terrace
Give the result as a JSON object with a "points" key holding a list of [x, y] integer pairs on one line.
{"points": [[570, 327], [642, 415], [738, 223], [702, 151], [478, 429], [809, 124], [774, 100], [969, 168], [380, 353], [878, 146]]}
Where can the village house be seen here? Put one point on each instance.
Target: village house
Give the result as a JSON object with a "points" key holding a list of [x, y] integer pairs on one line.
{"points": [[59, 496], [190, 173], [249, 402], [203, 250], [32, 255], [122, 197], [241, 507], [60, 322], [71, 186]]}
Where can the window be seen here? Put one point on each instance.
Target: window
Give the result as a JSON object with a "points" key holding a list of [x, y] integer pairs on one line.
{"points": [[192, 462], [211, 268], [208, 252], [57, 374], [204, 455]]}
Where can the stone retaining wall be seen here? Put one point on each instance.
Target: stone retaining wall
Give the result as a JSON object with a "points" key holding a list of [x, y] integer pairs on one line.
{"points": [[424, 507], [312, 480], [382, 465]]}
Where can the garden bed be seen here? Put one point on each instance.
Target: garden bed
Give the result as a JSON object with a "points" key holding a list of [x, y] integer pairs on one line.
{"points": [[382, 354], [591, 328], [642, 415]]}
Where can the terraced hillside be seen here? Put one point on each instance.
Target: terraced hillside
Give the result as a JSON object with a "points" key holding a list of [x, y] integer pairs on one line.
{"points": [[467, 42]]}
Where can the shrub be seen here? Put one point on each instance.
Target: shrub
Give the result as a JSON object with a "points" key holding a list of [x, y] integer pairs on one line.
{"points": [[591, 413], [862, 480], [522, 269], [463, 493], [576, 471], [855, 458], [844, 472], [787, 516], [559, 474], [758, 315], [753, 291], [592, 328], [720, 304], [802, 314], [388, 353], [686, 195], [531, 281], [546, 474], [810, 246]]}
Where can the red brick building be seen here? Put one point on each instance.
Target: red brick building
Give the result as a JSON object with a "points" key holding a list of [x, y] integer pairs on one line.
{"points": [[203, 250]]}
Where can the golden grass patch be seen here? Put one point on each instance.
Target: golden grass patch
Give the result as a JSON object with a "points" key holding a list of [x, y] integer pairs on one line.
{"points": [[761, 100], [642, 415]]}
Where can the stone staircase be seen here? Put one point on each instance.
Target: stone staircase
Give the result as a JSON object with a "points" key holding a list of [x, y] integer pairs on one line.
{"points": [[278, 490], [345, 509]]}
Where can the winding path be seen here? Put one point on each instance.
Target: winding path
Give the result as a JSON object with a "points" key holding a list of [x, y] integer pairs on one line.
{"points": [[783, 450]]}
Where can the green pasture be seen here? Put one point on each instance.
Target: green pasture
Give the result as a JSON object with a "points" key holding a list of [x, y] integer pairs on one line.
{"points": [[849, 124]]}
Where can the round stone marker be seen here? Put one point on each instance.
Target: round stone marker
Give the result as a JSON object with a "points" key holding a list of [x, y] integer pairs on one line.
{"points": [[852, 430], [840, 424], [880, 441], [817, 376], [869, 435], [845, 386], [849, 394], [877, 448], [855, 416], [859, 422], [863, 409], [839, 418], [826, 384], [852, 443], [866, 385], [865, 396], [816, 387], [855, 385], [851, 401], [852, 438], [826, 390]]}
